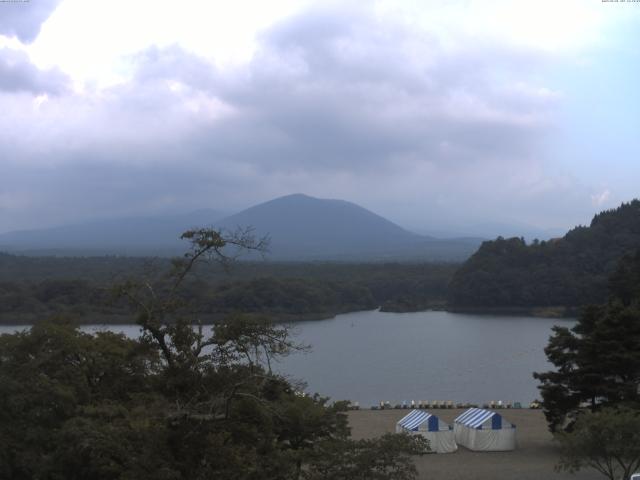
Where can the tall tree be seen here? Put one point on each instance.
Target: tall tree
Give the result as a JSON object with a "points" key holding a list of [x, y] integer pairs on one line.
{"points": [[608, 441], [598, 360]]}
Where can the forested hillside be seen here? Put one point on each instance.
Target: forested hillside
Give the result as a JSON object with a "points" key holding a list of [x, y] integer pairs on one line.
{"points": [[33, 288], [597, 361], [570, 271]]}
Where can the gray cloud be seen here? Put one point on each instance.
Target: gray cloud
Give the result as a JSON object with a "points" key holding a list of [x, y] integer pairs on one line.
{"points": [[327, 91], [18, 74], [332, 104], [23, 19]]}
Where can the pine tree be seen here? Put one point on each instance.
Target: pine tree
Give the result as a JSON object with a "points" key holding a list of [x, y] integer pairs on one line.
{"points": [[598, 360]]}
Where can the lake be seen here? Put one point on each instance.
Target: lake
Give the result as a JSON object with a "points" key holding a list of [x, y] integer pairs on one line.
{"points": [[372, 356]]}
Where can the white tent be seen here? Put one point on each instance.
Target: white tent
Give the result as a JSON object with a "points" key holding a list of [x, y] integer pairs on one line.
{"points": [[484, 431], [439, 434]]}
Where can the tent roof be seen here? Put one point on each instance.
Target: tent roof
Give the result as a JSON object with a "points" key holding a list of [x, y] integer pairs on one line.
{"points": [[475, 417], [414, 419]]}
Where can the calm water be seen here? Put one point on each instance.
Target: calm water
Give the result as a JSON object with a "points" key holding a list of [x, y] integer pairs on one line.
{"points": [[373, 356]]}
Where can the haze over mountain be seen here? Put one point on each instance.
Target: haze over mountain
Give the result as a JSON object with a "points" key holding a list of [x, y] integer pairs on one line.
{"points": [[122, 236], [491, 230], [303, 226], [300, 228]]}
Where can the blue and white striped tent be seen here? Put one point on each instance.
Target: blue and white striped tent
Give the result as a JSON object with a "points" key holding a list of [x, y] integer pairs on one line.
{"points": [[421, 422], [484, 430]]}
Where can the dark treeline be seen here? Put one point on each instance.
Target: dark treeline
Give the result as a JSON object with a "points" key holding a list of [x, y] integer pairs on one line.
{"points": [[597, 360], [590, 397], [176, 403], [33, 288], [504, 274], [571, 271]]}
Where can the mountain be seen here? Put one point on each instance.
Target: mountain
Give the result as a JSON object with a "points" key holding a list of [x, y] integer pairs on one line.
{"points": [[301, 228], [490, 230], [122, 236], [306, 228], [570, 271], [515, 229]]}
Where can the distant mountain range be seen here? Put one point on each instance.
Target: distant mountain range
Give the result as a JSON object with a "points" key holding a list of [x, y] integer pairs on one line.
{"points": [[299, 227], [121, 236], [491, 230], [306, 228]]}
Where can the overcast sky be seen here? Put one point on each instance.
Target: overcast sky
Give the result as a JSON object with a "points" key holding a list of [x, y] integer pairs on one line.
{"points": [[435, 114]]}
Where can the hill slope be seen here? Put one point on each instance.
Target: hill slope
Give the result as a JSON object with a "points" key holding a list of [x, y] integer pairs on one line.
{"points": [[570, 271], [300, 227], [306, 228], [131, 236]]}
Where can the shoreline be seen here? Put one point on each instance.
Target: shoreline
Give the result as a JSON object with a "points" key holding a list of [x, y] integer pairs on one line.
{"points": [[559, 312], [539, 312]]}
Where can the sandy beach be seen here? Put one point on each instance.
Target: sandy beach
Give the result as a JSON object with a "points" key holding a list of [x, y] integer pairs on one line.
{"points": [[534, 458]]}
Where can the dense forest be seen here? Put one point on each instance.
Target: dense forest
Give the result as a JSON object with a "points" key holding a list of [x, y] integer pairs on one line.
{"points": [[570, 271], [561, 274], [590, 397], [34, 288], [176, 403], [597, 360]]}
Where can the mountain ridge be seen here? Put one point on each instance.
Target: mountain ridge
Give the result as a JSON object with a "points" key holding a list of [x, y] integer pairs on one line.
{"points": [[120, 235], [300, 227], [306, 228], [570, 271]]}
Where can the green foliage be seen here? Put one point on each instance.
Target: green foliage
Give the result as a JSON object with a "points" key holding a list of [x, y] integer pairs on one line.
{"points": [[624, 284], [608, 441], [34, 288], [290, 296], [571, 271], [598, 360], [387, 457], [57, 385], [181, 402], [78, 406]]}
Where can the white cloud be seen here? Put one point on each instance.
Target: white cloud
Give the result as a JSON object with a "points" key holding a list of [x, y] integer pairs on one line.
{"points": [[91, 39], [88, 39], [601, 198]]}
